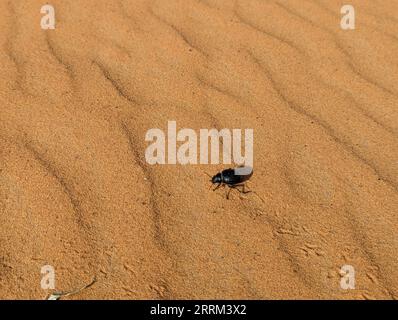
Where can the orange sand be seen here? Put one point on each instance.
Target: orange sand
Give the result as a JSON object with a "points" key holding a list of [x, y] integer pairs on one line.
{"points": [[76, 192]]}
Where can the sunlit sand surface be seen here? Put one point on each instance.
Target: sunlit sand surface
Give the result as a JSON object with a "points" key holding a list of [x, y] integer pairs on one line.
{"points": [[76, 192]]}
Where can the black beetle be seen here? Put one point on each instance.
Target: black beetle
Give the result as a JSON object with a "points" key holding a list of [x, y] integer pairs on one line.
{"points": [[233, 178]]}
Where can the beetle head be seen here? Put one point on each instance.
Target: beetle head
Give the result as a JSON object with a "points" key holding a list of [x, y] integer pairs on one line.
{"points": [[217, 178]]}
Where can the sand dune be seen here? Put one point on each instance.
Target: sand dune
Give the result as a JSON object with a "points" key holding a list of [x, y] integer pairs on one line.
{"points": [[75, 189]]}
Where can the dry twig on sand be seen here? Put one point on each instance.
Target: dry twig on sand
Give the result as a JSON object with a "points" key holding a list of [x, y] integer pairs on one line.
{"points": [[59, 295]]}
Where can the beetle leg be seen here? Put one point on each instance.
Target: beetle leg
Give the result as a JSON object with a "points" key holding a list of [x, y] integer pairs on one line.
{"points": [[229, 191], [244, 190], [219, 185], [236, 187]]}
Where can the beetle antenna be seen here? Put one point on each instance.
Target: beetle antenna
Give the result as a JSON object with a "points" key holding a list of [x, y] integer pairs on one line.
{"points": [[207, 174], [211, 184]]}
